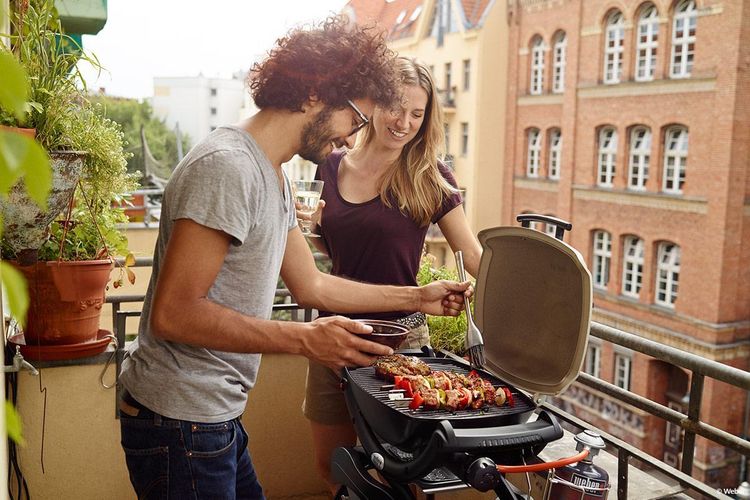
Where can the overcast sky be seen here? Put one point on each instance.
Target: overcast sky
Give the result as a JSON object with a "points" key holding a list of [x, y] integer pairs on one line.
{"points": [[147, 38]]}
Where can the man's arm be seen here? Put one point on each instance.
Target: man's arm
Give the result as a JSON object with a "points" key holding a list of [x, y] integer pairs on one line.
{"points": [[181, 311], [312, 288]]}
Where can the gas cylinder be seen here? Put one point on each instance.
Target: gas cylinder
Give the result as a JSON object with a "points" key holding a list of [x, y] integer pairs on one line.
{"points": [[582, 480]]}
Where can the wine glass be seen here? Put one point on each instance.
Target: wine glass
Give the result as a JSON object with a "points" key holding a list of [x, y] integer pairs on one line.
{"points": [[306, 198]]}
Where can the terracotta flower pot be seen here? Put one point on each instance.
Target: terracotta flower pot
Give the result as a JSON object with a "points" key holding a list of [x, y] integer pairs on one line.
{"points": [[28, 132], [65, 301]]}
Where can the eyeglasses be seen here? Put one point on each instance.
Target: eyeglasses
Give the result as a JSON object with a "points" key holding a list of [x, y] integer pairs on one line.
{"points": [[361, 116]]}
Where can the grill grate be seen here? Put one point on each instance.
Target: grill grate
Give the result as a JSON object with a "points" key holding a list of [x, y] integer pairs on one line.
{"points": [[366, 379]]}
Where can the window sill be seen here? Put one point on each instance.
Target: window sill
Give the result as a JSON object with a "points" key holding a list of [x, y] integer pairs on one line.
{"points": [[645, 199]]}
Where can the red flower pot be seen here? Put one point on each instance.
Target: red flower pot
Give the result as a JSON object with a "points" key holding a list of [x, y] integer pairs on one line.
{"points": [[65, 301]]}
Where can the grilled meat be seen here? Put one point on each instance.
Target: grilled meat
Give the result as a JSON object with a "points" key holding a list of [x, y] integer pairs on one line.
{"points": [[439, 389], [387, 367]]}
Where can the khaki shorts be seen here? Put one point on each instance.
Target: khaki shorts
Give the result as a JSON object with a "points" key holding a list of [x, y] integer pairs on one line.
{"points": [[324, 400]]}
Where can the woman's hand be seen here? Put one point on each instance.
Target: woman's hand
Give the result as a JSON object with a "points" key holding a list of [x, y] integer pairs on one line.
{"points": [[314, 218]]}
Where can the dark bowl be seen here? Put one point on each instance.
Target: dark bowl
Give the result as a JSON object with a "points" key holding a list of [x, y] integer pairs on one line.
{"points": [[384, 332]]}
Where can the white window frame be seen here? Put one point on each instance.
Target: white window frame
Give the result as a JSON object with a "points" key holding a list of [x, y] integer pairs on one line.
{"points": [[623, 369], [667, 274], [683, 39], [639, 158], [633, 257], [614, 41], [647, 42], [536, 83], [559, 53], [448, 77], [555, 153], [447, 133], [602, 242], [467, 73], [593, 361], [533, 152], [464, 138], [607, 158], [676, 144]]}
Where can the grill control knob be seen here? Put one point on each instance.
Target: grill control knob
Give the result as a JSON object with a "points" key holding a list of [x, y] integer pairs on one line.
{"points": [[482, 474], [377, 461]]}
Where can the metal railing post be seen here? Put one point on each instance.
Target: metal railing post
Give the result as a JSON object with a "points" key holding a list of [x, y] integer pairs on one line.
{"points": [[694, 408]]}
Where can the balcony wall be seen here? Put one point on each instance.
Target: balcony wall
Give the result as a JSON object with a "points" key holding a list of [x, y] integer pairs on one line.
{"points": [[82, 457]]}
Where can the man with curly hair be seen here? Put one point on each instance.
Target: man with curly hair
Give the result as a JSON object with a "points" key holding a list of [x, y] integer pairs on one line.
{"points": [[227, 229]]}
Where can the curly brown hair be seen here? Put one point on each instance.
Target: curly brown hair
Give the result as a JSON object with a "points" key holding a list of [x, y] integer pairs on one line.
{"points": [[335, 61]]}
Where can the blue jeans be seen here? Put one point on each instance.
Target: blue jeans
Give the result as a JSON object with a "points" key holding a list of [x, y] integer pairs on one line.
{"points": [[177, 459]]}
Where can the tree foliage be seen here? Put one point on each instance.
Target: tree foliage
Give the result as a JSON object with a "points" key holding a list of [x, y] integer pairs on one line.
{"points": [[132, 114]]}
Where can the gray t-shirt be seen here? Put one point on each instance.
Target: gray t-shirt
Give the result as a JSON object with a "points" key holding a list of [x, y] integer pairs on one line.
{"points": [[227, 183]]}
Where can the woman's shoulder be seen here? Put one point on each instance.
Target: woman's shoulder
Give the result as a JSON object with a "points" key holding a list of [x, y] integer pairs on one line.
{"points": [[447, 172], [332, 163]]}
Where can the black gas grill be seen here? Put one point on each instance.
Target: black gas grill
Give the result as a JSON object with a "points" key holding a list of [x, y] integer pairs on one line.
{"points": [[405, 445], [399, 425], [533, 306]]}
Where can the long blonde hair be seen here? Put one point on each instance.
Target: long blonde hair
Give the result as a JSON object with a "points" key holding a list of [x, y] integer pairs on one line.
{"points": [[413, 181]]}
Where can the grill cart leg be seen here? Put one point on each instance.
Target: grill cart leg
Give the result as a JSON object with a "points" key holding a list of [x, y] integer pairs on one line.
{"points": [[506, 491], [349, 467]]}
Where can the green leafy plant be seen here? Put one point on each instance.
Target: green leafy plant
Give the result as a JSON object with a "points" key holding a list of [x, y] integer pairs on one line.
{"points": [[59, 109], [446, 332], [20, 157]]}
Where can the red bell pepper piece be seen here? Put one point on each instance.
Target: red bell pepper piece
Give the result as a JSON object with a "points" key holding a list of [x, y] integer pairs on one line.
{"points": [[416, 401], [508, 397]]}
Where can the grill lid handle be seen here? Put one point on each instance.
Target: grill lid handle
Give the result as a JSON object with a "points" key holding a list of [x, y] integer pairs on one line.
{"points": [[541, 431]]}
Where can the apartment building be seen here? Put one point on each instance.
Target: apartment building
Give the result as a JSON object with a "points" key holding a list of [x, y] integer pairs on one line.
{"points": [[465, 45], [198, 104], [631, 119]]}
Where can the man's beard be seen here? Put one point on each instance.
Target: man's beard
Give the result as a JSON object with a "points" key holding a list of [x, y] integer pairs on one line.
{"points": [[316, 137]]}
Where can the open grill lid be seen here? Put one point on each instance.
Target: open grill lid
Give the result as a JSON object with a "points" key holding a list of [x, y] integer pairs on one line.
{"points": [[533, 307]]}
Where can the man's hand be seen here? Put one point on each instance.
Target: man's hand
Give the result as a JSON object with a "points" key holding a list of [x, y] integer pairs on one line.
{"points": [[444, 298], [332, 342]]}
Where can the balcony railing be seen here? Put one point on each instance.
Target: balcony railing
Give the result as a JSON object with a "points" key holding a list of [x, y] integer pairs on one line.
{"points": [[691, 423], [448, 98]]}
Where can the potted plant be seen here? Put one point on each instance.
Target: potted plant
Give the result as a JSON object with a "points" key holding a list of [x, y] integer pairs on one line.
{"points": [[446, 332], [74, 241]]}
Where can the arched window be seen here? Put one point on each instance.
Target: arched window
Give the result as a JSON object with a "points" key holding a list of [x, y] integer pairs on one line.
{"points": [[536, 84], [640, 156], [602, 258], [607, 157], [683, 39], [646, 45], [614, 37], [559, 46], [675, 159], [632, 266], [534, 152], [667, 274], [555, 153]]}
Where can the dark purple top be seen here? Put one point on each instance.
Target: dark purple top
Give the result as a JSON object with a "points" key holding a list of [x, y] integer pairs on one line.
{"points": [[370, 242]]}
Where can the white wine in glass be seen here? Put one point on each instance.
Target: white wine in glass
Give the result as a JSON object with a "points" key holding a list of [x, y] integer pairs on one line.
{"points": [[306, 198]]}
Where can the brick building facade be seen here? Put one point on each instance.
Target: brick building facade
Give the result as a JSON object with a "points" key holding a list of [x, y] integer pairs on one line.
{"points": [[631, 119]]}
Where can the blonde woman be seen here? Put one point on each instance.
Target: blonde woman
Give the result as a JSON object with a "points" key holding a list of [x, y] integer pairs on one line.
{"points": [[379, 199]]}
